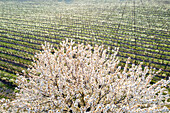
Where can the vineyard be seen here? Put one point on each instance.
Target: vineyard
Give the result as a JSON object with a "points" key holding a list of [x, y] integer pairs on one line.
{"points": [[139, 27]]}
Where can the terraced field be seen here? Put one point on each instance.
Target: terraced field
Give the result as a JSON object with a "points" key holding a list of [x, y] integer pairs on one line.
{"points": [[140, 28]]}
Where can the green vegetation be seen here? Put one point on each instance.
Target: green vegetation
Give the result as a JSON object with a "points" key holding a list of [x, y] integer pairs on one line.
{"points": [[140, 29]]}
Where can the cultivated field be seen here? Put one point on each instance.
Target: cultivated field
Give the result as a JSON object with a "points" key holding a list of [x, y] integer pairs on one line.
{"points": [[140, 28]]}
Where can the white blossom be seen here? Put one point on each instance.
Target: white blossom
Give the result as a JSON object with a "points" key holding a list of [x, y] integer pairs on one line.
{"points": [[75, 78]]}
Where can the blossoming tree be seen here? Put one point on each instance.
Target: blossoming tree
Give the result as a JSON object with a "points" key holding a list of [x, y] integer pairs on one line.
{"points": [[83, 78]]}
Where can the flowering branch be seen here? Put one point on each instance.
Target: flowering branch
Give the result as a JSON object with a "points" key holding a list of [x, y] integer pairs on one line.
{"points": [[83, 78]]}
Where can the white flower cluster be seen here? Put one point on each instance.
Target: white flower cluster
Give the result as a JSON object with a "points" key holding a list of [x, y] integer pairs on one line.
{"points": [[83, 78]]}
